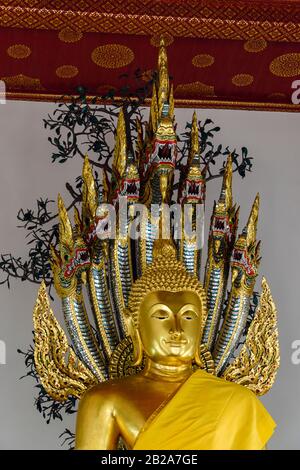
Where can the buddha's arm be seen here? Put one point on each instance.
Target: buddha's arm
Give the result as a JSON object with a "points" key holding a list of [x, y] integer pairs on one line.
{"points": [[96, 426]]}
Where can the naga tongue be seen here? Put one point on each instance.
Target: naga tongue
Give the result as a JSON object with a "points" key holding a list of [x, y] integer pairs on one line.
{"points": [[163, 183]]}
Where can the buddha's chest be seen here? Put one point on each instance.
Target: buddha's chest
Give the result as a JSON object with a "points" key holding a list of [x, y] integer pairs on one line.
{"points": [[139, 407]]}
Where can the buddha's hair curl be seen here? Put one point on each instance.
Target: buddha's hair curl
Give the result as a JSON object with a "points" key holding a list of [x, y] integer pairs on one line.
{"points": [[165, 273]]}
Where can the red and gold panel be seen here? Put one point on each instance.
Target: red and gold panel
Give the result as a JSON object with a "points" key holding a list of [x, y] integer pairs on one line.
{"points": [[231, 54]]}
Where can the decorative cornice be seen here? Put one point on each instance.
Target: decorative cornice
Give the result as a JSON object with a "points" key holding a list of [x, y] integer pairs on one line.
{"points": [[272, 20], [179, 103]]}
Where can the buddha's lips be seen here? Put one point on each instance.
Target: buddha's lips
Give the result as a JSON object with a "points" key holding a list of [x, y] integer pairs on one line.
{"points": [[176, 343]]}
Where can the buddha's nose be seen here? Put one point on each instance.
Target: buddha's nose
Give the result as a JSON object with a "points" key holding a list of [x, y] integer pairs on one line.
{"points": [[175, 335]]}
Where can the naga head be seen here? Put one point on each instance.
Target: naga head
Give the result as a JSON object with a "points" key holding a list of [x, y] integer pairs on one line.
{"points": [[130, 181], [245, 257], [161, 160], [71, 261], [161, 141], [224, 219], [193, 186], [163, 154], [125, 175]]}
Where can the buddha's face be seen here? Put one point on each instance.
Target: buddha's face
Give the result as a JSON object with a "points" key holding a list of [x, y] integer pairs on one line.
{"points": [[170, 326]]}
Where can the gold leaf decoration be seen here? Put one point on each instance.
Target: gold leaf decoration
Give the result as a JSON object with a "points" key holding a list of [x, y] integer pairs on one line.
{"points": [[258, 361], [122, 359], [66, 71], [242, 79], [195, 88], [19, 51], [61, 373], [112, 56], [22, 82], [286, 65], [69, 35], [255, 45], [203, 60], [155, 40]]}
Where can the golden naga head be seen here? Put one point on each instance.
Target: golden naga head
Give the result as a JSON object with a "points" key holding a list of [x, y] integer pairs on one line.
{"points": [[70, 263], [166, 310], [224, 219], [245, 257]]}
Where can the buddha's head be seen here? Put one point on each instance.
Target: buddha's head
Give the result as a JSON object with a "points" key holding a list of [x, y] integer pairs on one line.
{"points": [[166, 311]]}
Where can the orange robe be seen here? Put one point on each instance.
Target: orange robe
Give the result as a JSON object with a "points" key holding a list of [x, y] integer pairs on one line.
{"points": [[208, 413]]}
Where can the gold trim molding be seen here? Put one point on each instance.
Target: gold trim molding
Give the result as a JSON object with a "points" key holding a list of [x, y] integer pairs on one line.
{"points": [[271, 20], [179, 103]]}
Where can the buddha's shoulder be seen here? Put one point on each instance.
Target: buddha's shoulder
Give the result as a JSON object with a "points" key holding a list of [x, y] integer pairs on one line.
{"points": [[112, 389], [226, 388]]}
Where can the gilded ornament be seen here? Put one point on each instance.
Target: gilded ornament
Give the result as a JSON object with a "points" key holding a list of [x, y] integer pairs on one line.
{"points": [[257, 363], [203, 60], [67, 71], [112, 56], [67, 375], [19, 51], [242, 79], [120, 153], [286, 65]]}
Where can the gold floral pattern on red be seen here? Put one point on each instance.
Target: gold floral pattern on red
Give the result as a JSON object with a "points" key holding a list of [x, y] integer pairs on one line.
{"points": [[242, 79], [199, 88], [255, 45], [286, 65], [69, 35], [203, 60], [168, 38], [67, 71], [18, 51], [22, 82], [112, 56]]}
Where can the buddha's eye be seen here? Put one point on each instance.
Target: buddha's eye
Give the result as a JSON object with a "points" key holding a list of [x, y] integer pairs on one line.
{"points": [[160, 315], [188, 316]]}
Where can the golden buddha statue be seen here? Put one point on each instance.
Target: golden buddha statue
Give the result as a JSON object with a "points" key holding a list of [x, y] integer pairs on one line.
{"points": [[154, 408], [165, 363]]}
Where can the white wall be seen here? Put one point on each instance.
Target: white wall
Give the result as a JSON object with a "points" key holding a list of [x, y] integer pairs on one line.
{"points": [[27, 173]]}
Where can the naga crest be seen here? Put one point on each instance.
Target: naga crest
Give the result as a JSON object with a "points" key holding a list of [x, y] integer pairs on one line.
{"points": [[235, 345]]}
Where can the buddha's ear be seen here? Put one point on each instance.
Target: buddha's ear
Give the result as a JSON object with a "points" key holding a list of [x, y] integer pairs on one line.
{"points": [[136, 339], [198, 360]]}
